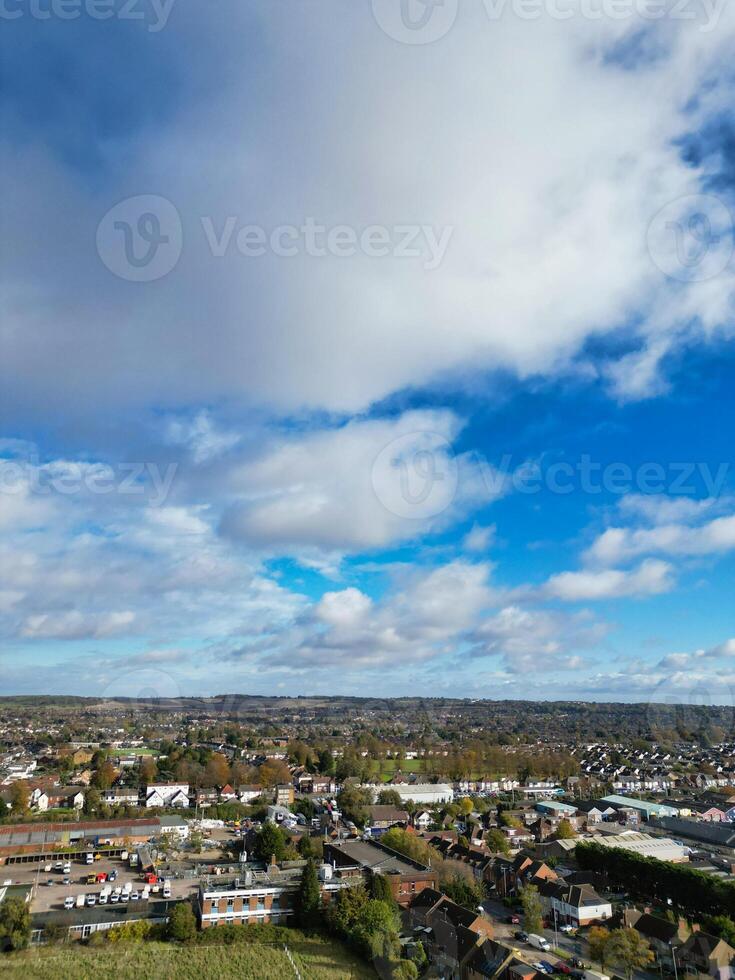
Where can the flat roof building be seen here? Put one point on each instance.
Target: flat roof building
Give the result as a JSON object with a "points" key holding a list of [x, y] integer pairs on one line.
{"points": [[646, 807]]}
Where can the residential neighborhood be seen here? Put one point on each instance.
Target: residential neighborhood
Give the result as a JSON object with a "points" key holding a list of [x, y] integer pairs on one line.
{"points": [[506, 873]]}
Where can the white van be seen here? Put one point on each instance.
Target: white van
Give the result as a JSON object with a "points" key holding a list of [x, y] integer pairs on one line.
{"points": [[80, 901], [538, 942], [69, 902], [167, 889], [89, 859]]}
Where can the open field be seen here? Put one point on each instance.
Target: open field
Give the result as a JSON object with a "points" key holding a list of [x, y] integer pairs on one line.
{"points": [[316, 959]]}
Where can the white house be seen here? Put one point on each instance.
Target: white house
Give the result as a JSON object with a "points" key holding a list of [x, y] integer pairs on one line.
{"points": [[167, 794], [578, 905]]}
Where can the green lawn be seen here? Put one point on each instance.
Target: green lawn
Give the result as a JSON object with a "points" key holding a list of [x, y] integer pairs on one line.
{"points": [[316, 959]]}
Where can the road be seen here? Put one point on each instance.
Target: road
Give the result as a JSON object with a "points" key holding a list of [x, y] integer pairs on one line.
{"points": [[573, 945]]}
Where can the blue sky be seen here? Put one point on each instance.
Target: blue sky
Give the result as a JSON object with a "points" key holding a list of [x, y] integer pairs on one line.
{"points": [[349, 353]]}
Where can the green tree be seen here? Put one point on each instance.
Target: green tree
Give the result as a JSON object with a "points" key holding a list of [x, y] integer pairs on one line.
{"points": [[565, 831], [15, 924], [380, 889], [630, 950], [497, 841], [531, 901], [182, 925], [343, 911], [405, 970], [308, 902], [376, 930], [92, 800], [599, 944], [270, 840], [389, 797]]}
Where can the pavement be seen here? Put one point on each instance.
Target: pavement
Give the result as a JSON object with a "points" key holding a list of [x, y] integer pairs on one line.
{"points": [[47, 897]]}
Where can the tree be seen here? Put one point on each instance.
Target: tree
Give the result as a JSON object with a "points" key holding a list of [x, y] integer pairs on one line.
{"points": [[354, 801], [389, 797], [148, 769], [599, 943], [104, 777], [269, 841], [376, 929], [466, 806], [15, 924], [409, 844], [342, 911], [92, 800], [531, 901], [497, 841], [565, 831], [630, 950], [380, 889], [308, 902], [20, 797], [217, 772], [182, 925], [405, 970], [273, 772]]}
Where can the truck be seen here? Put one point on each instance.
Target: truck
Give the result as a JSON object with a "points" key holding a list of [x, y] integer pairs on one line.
{"points": [[146, 893], [133, 860], [80, 900], [124, 856], [538, 942], [167, 889]]}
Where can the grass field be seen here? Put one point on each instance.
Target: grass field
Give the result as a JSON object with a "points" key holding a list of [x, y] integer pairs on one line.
{"points": [[315, 959]]}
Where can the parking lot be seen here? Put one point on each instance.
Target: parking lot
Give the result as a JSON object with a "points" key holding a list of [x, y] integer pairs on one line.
{"points": [[48, 897]]}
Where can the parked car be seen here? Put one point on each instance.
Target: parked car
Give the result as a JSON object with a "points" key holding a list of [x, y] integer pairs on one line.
{"points": [[134, 896], [103, 898], [521, 936], [67, 881], [91, 901], [112, 875], [114, 898], [59, 866], [69, 902], [540, 968], [566, 928], [563, 968], [538, 942], [548, 967], [67, 868], [577, 964]]}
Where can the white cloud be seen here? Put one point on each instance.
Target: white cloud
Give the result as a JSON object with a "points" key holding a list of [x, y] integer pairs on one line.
{"points": [[479, 538], [617, 544], [650, 578], [367, 484], [550, 178]]}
